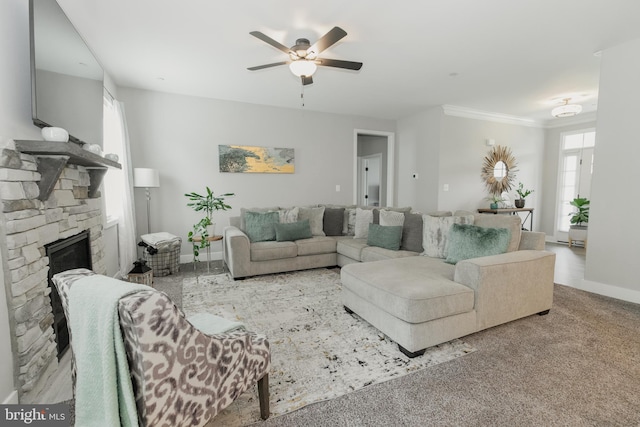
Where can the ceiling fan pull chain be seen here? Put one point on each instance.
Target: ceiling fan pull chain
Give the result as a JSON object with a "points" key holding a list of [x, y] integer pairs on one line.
{"points": [[302, 94]]}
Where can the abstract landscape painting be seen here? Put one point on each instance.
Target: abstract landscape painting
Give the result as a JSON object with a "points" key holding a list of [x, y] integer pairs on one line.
{"points": [[250, 159]]}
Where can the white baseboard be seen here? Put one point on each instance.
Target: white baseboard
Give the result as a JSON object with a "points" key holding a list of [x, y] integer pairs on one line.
{"points": [[617, 292], [12, 399]]}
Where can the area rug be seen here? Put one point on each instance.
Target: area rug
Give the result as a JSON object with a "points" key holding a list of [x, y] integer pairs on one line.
{"points": [[319, 351]]}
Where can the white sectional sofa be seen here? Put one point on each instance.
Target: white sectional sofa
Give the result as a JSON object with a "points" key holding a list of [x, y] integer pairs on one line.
{"points": [[415, 295]]}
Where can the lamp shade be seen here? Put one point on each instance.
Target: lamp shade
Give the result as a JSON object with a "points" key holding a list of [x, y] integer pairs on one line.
{"points": [[303, 67], [145, 177]]}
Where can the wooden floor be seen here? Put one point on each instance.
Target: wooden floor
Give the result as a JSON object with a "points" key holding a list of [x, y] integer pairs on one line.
{"points": [[569, 271]]}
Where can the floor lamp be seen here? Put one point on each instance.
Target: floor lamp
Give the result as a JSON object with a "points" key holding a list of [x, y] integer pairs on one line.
{"points": [[146, 178]]}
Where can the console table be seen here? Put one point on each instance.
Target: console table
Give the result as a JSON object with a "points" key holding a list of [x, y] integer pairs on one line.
{"points": [[513, 211], [209, 239]]}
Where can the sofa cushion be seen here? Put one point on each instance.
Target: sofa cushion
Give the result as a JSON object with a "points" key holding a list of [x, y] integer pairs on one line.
{"points": [[349, 225], [315, 216], [316, 245], [364, 217], [267, 251], [351, 248], [332, 223], [414, 289], [260, 226], [293, 231], [512, 222], [387, 237], [470, 241], [436, 231], [374, 253], [412, 232]]}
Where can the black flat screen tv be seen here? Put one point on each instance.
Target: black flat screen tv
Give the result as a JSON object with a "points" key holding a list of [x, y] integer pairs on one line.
{"points": [[67, 81]]}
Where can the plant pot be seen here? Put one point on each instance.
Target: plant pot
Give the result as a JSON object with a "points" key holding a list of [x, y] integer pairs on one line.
{"points": [[211, 229], [577, 233], [493, 206], [519, 203]]}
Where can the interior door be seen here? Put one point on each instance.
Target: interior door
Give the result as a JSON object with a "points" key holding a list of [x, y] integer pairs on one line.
{"points": [[370, 173]]}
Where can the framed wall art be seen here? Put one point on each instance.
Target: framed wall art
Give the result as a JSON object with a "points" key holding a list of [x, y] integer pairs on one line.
{"points": [[252, 159]]}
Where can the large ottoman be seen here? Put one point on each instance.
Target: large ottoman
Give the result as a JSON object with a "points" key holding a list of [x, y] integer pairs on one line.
{"points": [[414, 301]]}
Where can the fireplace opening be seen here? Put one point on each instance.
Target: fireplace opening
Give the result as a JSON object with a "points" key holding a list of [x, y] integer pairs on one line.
{"points": [[66, 254]]}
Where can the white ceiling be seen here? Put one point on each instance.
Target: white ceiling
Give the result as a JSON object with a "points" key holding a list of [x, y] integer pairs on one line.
{"points": [[502, 56]]}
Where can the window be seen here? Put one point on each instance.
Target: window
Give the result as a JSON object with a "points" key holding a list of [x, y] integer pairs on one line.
{"points": [[113, 143], [576, 162]]}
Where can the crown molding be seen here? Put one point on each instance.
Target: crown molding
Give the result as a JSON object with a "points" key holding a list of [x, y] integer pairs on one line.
{"points": [[453, 110]]}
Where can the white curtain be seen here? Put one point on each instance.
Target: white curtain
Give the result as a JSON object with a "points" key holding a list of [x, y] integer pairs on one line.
{"points": [[119, 185]]}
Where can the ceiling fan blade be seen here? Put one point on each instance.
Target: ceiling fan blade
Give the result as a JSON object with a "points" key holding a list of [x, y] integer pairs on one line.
{"points": [[329, 39], [349, 65], [306, 80], [260, 67], [270, 41]]}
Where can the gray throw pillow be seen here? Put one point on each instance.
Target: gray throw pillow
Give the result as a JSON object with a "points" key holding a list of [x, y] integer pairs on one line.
{"points": [[314, 215], [333, 221], [290, 231], [470, 241], [260, 226], [412, 233], [385, 236]]}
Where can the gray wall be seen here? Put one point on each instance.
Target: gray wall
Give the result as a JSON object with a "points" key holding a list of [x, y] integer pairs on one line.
{"points": [[450, 150], [179, 135], [15, 122], [614, 236]]}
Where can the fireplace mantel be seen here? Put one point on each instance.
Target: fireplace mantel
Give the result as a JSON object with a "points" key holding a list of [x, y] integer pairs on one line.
{"points": [[52, 157]]}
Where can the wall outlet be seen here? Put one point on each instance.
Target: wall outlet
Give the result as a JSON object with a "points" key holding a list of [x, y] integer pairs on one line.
{"points": [[337, 187], [445, 187]]}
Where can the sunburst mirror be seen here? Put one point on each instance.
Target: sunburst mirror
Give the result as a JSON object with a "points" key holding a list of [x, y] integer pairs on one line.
{"points": [[499, 170]]}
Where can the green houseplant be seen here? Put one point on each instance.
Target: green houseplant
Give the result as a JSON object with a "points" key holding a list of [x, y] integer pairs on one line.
{"points": [[494, 199], [579, 219], [522, 194], [207, 203]]}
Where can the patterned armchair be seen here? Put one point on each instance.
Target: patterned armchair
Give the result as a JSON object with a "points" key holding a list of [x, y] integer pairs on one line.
{"points": [[180, 375]]}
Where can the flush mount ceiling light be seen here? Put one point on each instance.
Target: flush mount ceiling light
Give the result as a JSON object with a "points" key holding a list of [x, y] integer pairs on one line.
{"points": [[303, 67], [566, 110]]}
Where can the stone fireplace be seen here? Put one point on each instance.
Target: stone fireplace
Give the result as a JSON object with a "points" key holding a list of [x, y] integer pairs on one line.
{"points": [[46, 197]]}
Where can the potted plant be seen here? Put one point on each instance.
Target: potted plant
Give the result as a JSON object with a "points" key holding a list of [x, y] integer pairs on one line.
{"points": [[204, 228], [495, 199], [522, 194], [579, 220]]}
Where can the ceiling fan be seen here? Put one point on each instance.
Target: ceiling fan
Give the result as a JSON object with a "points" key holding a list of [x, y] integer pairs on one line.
{"points": [[304, 56]]}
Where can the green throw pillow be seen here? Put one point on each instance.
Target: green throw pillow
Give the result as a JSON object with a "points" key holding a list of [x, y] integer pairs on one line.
{"points": [[385, 236], [260, 226], [288, 232], [470, 241]]}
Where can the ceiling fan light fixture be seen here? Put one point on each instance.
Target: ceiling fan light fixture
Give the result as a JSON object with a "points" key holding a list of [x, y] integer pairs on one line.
{"points": [[302, 67], [566, 110]]}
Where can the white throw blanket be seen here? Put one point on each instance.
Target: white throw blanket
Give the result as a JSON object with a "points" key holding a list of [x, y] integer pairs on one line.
{"points": [[104, 393]]}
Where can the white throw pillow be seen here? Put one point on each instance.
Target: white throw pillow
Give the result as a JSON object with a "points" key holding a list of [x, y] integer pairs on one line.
{"points": [[391, 218], [315, 217], [289, 215], [349, 224], [435, 233], [364, 217]]}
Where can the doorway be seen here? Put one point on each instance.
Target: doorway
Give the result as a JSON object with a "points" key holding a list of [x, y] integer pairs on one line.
{"points": [[574, 175], [373, 169]]}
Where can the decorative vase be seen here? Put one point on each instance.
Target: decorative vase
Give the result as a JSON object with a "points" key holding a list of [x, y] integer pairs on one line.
{"points": [[493, 206], [55, 134], [519, 203]]}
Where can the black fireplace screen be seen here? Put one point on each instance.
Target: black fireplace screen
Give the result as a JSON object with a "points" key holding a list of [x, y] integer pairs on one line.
{"points": [[66, 254]]}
